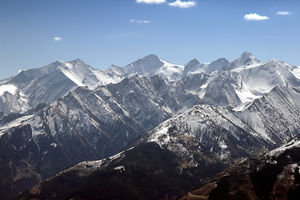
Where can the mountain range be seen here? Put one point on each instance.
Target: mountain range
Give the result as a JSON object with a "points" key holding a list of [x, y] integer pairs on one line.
{"points": [[201, 116]]}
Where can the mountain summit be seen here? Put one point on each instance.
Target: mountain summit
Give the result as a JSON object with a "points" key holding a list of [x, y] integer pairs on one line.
{"points": [[205, 115], [245, 59]]}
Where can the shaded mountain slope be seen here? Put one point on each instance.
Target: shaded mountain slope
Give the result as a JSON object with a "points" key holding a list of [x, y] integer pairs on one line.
{"points": [[144, 172], [276, 175]]}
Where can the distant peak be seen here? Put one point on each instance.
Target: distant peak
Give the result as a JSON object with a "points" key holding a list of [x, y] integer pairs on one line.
{"points": [[151, 57], [246, 54], [77, 60], [220, 60], [193, 62], [245, 59], [144, 65]]}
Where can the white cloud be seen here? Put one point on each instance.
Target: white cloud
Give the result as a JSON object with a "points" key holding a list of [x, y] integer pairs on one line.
{"points": [[139, 21], [151, 1], [56, 38], [182, 4], [255, 17], [283, 13]]}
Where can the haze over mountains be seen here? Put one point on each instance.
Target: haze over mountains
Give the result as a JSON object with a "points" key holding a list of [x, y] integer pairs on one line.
{"points": [[203, 115]]}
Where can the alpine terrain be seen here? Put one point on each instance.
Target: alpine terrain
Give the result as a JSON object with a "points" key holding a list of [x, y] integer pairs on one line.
{"points": [[151, 130]]}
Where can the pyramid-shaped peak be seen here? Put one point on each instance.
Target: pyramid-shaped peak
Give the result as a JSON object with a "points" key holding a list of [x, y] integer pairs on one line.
{"points": [[147, 64], [247, 54], [148, 60], [151, 57], [193, 62], [245, 59], [220, 60]]}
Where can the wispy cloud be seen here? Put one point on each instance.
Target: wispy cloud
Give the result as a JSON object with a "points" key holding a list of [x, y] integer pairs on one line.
{"points": [[137, 21], [151, 1], [57, 39], [183, 4], [255, 17], [282, 13]]}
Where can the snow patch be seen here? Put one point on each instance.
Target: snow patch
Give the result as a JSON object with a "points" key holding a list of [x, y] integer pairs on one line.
{"points": [[54, 145], [241, 68], [296, 71], [8, 88], [161, 136], [15, 123], [120, 168], [292, 144], [70, 66], [171, 71], [72, 76]]}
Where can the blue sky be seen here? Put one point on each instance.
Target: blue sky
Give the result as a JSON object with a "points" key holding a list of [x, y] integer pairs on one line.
{"points": [[104, 32]]}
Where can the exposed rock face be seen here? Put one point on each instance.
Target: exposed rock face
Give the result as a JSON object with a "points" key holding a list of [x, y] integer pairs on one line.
{"points": [[204, 114], [275, 175], [84, 125]]}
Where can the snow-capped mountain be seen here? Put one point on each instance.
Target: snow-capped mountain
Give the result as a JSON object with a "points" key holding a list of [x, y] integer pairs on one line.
{"points": [[149, 66], [225, 134], [68, 112], [191, 145], [44, 85], [240, 77], [193, 66], [85, 124], [275, 116], [209, 130], [240, 86], [245, 61], [255, 81]]}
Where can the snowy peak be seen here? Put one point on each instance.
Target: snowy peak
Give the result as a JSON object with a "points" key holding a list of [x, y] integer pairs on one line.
{"points": [[151, 57], [77, 61], [144, 65], [244, 60], [255, 80], [249, 78], [194, 66], [192, 63], [80, 73], [152, 65], [48, 83], [221, 63]]}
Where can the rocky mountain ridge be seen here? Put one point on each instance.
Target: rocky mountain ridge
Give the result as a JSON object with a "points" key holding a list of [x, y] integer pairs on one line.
{"points": [[203, 114]]}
